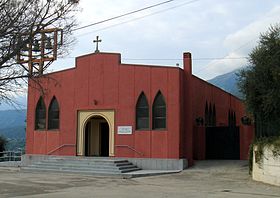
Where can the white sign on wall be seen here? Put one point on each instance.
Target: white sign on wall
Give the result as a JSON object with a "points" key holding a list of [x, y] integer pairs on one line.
{"points": [[124, 130]]}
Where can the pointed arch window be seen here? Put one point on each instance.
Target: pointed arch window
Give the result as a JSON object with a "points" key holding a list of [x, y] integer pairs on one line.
{"points": [[53, 117], [40, 115], [142, 113], [214, 116], [159, 112], [210, 114], [231, 118], [206, 114]]}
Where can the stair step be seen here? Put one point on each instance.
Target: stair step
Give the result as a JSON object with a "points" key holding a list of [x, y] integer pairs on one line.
{"points": [[83, 165], [85, 162], [92, 160], [58, 166], [72, 169], [130, 170], [124, 163]]}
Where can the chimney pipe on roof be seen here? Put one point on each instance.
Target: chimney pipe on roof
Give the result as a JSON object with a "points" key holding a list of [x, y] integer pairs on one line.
{"points": [[187, 62]]}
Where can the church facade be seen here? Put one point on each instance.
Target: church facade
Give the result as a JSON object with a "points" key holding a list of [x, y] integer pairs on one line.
{"points": [[103, 107]]}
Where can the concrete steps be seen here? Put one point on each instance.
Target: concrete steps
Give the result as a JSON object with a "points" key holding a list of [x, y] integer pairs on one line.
{"points": [[90, 165]]}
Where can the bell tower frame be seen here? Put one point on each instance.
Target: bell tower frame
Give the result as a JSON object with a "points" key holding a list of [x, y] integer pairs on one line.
{"points": [[41, 49]]}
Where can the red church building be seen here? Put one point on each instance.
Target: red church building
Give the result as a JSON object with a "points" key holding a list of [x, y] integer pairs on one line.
{"points": [[103, 107]]}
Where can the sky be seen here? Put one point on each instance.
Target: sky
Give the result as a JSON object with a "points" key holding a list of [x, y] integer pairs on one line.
{"points": [[219, 33]]}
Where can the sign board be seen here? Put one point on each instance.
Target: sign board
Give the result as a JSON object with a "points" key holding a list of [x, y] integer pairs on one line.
{"points": [[125, 130]]}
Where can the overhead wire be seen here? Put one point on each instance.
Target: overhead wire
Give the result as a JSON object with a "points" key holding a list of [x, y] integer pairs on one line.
{"points": [[206, 58], [225, 57], [138, 18], [175, 59], [154, 13], [122, 15]]}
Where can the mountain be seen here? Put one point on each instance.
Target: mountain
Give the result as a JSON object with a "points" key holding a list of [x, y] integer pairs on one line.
{"points": [[12, 127], [19, 103], [227, 82]]}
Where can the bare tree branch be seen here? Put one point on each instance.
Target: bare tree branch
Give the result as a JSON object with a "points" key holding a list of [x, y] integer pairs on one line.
{"points": [[21, 17]]}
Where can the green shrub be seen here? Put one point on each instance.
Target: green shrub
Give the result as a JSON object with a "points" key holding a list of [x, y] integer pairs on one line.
{"points": [[261, 143]]}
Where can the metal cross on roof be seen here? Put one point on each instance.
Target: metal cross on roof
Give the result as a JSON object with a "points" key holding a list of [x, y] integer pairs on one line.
{"points": [[97, 41]]}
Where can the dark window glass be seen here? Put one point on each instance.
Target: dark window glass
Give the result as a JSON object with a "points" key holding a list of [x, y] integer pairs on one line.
{"points": [[40, 115], [53, 119], [214, 115], [210, 115], [206, 114], [231, 118], [159, 112], [142, 112]]}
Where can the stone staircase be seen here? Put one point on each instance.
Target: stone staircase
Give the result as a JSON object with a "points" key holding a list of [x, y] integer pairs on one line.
{"points": [[83, 165]]}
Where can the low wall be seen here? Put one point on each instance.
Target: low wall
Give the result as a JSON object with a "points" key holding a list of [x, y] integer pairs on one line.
{"points": [[269, 170], [143, 163]]}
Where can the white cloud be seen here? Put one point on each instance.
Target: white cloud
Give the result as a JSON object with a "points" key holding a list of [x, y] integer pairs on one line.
{"points": [[208, 28], [252, 30], [239, 44], [220, 66]]}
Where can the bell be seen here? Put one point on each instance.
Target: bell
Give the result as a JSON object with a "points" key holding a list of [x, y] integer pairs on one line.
{"points": [[49, 44], [36, 47]]}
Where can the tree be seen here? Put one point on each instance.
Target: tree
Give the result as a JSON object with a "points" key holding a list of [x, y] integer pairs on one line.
{"points": [[260, 83], [3, 142], [28, 18]]}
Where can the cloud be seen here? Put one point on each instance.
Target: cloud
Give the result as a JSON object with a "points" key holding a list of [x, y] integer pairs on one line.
{"points": [[253, 30], [226, 64], [208, 28], [239, 44]]}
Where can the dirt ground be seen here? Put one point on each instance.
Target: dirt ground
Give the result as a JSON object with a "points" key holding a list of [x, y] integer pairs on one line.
{"points": [[206, 179]]}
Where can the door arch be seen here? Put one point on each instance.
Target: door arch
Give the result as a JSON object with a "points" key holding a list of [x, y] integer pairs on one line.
{"points": [[85, 117]]}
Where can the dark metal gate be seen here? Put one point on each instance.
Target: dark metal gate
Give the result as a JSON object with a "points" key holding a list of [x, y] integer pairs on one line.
{"points": [[222, 143]]}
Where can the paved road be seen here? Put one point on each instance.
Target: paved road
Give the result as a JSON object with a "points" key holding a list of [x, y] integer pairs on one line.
{"points": [[208, 179]]}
